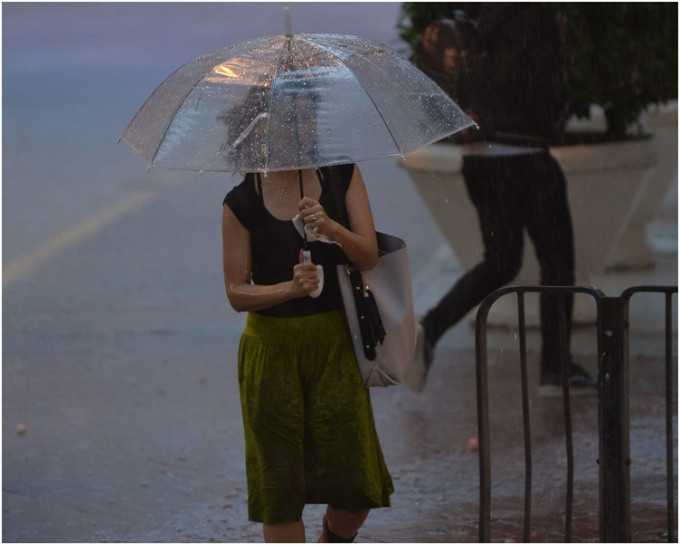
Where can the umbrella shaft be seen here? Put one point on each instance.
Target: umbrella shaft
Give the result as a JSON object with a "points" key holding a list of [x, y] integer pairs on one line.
{"points": [[305, 247]]}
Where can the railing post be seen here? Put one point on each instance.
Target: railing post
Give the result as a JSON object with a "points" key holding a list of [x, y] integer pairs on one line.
{"points": [[614, 428]]}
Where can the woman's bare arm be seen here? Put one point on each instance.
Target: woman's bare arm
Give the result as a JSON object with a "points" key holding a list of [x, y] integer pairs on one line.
{"points": [[243, 295]]}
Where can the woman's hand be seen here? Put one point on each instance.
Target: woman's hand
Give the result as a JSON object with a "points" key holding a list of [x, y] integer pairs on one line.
{"points": [[359, 242], [314, 215], [305, 278], [243, 295]]}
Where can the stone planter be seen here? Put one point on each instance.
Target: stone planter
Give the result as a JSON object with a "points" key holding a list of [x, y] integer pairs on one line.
{"points": [[632, 251], [605, 187]]}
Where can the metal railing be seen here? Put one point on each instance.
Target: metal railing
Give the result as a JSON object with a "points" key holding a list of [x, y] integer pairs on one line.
{"points": [[612, 319], [668, 292]]}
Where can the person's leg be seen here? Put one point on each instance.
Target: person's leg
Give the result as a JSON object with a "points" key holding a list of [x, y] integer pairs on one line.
{"points": [[289, 532], [550, 229], [341, 526], [493, 191]]}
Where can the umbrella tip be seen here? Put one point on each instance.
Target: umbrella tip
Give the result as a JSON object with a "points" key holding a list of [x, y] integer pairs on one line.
{"points": [[287, 22]]}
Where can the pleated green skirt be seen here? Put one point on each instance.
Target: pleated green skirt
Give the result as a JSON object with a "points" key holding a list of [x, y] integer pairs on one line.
{"points": [[309, 430]]}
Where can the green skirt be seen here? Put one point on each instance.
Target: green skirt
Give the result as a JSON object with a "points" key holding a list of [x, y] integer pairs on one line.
{"points": [[309, 430]]}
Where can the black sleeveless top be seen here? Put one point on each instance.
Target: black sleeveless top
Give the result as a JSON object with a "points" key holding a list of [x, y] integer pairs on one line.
{"points": [[275, 244]]}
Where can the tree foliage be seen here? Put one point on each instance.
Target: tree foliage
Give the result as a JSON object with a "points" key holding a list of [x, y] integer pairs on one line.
{"points": [[622, 56]]}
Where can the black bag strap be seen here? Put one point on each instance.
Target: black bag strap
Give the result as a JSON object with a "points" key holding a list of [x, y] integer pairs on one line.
{"points": [[370, 323]]}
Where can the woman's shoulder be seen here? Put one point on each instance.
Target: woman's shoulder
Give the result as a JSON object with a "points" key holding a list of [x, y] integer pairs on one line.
{"points": [[338, 174], [240, 194], [242, 201], [344, 170]]}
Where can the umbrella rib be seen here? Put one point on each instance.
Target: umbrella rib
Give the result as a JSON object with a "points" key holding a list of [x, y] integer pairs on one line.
{"points": [[396, 144], [358, 80], [179, 106], [367, 58], [271, 100]]}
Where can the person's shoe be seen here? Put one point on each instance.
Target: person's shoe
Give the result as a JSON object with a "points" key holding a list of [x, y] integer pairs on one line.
{"points": [[580, 383], [416, 374]]}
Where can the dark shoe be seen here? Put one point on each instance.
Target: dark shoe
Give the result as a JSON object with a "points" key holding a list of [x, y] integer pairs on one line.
{"points": [[422, 361], [580, 383]]}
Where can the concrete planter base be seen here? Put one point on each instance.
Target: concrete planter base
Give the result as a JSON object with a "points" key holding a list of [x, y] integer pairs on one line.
{"points": [[605, 186]]}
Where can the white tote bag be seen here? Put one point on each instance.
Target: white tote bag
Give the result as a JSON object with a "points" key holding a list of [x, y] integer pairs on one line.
{"points": [[389, 283]]}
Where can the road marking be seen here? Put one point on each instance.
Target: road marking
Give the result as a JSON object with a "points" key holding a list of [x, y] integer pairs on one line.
{"points": [[19, 266]]}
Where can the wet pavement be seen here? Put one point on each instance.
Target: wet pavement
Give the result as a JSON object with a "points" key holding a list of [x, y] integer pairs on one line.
{"points": [[120, 408]]}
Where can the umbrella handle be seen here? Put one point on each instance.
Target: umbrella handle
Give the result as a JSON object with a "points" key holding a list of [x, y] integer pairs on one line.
{"points": [[307, 258]]}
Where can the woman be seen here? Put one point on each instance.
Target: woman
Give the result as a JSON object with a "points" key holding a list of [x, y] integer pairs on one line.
{"points": [[309, 429]]}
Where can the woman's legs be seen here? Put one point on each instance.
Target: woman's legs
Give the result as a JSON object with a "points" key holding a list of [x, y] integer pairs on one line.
{"points": [[342, 524], [288, 532]]}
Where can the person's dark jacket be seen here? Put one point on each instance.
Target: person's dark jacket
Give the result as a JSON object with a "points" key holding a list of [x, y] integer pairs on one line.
{"points": [[512, 81]]}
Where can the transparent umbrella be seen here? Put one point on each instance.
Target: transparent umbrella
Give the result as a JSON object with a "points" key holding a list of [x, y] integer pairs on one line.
{"points": [[291, 102]]}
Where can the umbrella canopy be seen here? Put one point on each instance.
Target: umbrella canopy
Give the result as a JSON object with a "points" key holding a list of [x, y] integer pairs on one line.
{"points": [[290, 102]]}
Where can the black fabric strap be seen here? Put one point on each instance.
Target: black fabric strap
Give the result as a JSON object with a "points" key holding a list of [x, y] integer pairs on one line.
{"points": [[370, 323], [259, 186]]}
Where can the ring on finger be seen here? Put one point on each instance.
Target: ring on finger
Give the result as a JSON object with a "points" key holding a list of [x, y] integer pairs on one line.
{"points": [[312, 217]]}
